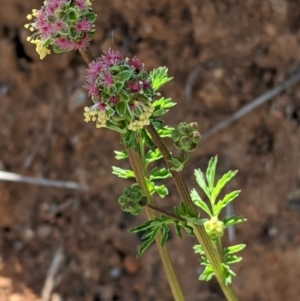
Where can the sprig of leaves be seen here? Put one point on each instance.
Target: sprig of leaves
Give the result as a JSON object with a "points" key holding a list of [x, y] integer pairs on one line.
{"points": [[213, 226], [161, 223], [159, 77], [229, 259], [206, 183]]}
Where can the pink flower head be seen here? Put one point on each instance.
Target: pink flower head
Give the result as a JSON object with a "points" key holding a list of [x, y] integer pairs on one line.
{"points": [[82, 43], [40, 18], [114, 100], [101, 106], [63, 43], [107, 79], [59, 25], [133, 87], [83, 25], [112, 57], [52, 6], [93, 91], [46, 30], [136, 64], [81, 4]]}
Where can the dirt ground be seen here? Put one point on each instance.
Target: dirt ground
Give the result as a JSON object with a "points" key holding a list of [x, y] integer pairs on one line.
{"points": [[243, 48]]}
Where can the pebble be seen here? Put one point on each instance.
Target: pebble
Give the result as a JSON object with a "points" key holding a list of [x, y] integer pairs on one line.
{"points": [[131, 264], [115, 273], [43, 231]]}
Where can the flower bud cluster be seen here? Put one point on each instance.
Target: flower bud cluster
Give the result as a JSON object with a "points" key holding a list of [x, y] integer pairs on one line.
{"points": [[186, 136], [62, 24], [121, 90], [214, 228], [131, 200]]}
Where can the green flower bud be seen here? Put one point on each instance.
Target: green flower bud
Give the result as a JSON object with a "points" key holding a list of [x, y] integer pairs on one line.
{"points": [[185, 142], [184, 128], [194, 125], [176, 135], [196, 137]]}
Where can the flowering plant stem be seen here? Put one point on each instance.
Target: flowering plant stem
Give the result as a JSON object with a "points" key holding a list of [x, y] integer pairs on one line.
{"points": [[137, 167], [211, 252]]}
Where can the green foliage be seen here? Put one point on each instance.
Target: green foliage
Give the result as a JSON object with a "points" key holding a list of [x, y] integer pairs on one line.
{"points": [[165, 132], [121, 155], [129, 140], [161, 190], [161, 223], [159, 77], [123, 173], [206, 183], [159, 174], [152, 156], [176, 164], [214, 226], [162, 106], [150, 229]]}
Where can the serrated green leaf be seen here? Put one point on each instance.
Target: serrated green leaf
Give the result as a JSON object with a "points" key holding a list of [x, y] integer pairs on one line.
{"points": [[201, 182], [142, 227], [222, 182], [234, 249], [232, 220], [210, 172], [161, 190], [177, 229], [226, 200], [198, 249], [123, 173], [189, 230], [159, 174], [207, 274], [121, 155], [165, 234], [231, 259], [159, 77], [153, 155], [199, 202], [165, 132], [146, 244]]}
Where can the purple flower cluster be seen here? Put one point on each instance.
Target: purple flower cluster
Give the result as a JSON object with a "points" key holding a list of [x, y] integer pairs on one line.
{"points": [[62, 24], [123, 87]]}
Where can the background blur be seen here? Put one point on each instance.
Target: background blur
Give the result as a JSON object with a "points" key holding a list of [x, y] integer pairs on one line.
{"points": [[222, 54]]}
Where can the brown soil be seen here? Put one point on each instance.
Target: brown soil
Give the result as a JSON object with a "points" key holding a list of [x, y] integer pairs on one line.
{"points": [[244, 49]]}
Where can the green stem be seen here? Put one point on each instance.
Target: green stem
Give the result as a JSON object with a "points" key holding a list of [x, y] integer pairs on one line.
{"points": [[199, 231], [140, 177], [138, 170]]}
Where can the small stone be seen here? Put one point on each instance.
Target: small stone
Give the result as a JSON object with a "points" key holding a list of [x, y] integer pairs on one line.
{"points": [[115, 273], [131, 265], [28, 234], [272, 231], [43, 231]]}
